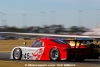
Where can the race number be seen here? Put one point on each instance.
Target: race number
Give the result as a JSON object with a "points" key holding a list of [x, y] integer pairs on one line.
{"points": [[26, 56]]}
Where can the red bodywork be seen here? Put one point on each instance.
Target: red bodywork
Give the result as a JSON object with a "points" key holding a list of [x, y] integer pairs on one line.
{"points": [[65, 50]]}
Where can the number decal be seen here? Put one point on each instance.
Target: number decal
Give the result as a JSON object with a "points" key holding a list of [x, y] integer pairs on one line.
{"points": [[26, 56]]}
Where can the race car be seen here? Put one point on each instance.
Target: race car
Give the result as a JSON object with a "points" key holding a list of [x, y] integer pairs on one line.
{"points": [[83, 41], [88, 43], [49, 49]]}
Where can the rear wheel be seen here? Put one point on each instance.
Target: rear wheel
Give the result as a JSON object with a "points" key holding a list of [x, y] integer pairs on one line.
{"points": [[54, 54], [17, 54]]}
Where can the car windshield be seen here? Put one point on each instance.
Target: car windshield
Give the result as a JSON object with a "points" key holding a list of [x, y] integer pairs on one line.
{"points": [[60, 41], [37, 43]]}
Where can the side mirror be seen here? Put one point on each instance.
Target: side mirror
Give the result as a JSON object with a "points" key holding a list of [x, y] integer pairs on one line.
{"points": [[24, 43]]}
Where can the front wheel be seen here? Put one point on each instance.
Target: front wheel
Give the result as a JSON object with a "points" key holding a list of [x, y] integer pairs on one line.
{"points": [[17, 54], [54, 54]]}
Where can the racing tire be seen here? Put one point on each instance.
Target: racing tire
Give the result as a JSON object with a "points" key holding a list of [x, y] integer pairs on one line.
{"points": [[17, 54], [54, 54]]}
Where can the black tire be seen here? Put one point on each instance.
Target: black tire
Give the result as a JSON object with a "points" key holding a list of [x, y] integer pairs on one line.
{"points": [[19, 54], [54, 54]]}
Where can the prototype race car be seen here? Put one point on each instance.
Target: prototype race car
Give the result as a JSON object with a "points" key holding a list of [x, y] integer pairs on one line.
{"points": [[49, 49], [88, 43]]}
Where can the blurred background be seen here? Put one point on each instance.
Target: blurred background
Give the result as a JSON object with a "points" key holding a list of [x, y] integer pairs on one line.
{"points": [[74, 17]]}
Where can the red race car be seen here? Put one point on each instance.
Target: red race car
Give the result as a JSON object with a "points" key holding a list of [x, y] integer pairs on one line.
{"points": [[49, 49]]}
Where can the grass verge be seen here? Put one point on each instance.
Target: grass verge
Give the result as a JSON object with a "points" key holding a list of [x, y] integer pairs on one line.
{"points": [[8, 45]]}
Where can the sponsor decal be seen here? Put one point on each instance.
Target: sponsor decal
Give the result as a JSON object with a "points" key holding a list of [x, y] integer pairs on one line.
{"points": [[38, 54]]}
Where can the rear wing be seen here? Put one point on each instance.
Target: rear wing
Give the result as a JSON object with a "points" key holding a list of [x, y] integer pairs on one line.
{"points": [[81, 42]]}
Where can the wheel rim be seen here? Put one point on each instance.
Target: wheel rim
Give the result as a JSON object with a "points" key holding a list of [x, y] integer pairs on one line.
{"points": [[17, 53], [54, 55]]}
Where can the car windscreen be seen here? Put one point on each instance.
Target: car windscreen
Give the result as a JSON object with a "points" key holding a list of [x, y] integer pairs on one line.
{"points": [[37, 43], [60, 41]]}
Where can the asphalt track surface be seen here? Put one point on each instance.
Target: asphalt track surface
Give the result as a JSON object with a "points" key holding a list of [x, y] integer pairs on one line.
{"points": [[6, 55]]}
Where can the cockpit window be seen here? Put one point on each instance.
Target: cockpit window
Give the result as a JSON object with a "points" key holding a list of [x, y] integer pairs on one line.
{"points": [[37, 44], [60, 41]]}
